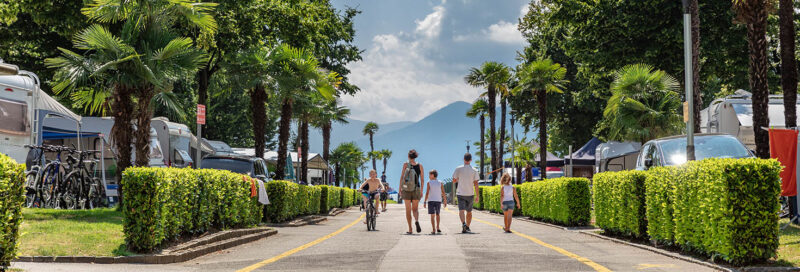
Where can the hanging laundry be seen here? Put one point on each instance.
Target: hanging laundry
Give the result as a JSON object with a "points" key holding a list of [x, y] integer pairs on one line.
{"points": [[253, 190], [262, 193], [783, 147]]}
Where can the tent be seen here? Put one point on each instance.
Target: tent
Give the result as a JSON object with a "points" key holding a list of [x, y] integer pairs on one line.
{"points": [[584, 155], [552, 160]]}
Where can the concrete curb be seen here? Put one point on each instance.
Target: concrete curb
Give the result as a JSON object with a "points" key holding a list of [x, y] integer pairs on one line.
{"points": [[180, 253], [302, 221]]}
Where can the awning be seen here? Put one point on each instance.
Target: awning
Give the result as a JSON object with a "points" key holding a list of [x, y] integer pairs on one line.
{"points": [[51, 133]]}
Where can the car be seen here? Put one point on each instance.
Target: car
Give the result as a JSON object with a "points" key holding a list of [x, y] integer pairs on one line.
{"points": [[254, 167], [671, 151]]}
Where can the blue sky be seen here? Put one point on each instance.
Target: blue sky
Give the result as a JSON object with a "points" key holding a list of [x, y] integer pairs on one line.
{"points": [[417, 52]]}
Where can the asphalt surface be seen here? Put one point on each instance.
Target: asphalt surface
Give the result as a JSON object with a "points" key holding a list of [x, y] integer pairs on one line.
{"points": [[344, 244]]}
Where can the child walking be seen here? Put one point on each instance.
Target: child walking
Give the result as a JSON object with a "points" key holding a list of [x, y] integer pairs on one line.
{"points": [[508, 199], [434, 198]]}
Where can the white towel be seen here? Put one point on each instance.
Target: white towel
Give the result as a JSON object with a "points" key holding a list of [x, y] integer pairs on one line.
{"points": [[262, 193]]}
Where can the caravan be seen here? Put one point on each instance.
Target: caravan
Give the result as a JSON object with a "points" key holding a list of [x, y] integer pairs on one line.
{"points": [[178, 143]]}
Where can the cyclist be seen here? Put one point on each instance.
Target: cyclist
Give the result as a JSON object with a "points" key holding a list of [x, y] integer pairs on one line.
{"points": [[371, 187]]}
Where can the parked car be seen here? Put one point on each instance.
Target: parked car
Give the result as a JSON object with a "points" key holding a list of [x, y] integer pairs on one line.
{"points": [[672, 150], [248, 165]]}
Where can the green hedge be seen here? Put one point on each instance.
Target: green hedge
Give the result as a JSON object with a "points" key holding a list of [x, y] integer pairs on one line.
{"points": [[12, 196], [283, 201], [479, 204], [518, 188], [162, 204], [619, 202], [348, 197], [490, 195], [725, 208], [561, 200]]}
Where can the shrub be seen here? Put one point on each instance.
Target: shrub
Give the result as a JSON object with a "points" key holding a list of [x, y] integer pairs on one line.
{"points": [[518, 188], [619, 202], [561, 200], [12, 196], [347, 197], [314, 199], [659, 200], [334, 197], [283, 203], [490, 195], [725, 208], [479, 204], [162, 204]]}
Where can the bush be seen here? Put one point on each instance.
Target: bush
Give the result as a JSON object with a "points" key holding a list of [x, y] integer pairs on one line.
{"points": [[561, 200], [490, 195], [479, 204], [619, 202], [283, 201], [162, 204], [347, 197], [518, 188], [12, 196], [314, 199], [725, 208]]}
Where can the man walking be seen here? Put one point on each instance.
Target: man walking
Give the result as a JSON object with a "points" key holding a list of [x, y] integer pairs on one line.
{"points": [[466, 179]]}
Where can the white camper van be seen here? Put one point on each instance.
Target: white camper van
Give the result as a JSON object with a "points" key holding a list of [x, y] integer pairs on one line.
{"points": [[178, 143], [23, 108], [733, 115]]}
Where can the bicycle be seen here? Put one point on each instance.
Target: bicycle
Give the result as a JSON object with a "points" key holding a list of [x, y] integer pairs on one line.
{"points": [[84, 190], [371, 211]]}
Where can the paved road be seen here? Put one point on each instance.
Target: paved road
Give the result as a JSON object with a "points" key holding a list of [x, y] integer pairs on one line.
{"points": [[342, 243]]}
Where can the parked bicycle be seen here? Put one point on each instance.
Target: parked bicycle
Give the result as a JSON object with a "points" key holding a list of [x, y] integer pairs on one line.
{"points": [[69, 185]]}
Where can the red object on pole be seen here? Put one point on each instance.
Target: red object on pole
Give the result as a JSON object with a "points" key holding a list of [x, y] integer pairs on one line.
{"points": [[201, 114], [783, 147]]}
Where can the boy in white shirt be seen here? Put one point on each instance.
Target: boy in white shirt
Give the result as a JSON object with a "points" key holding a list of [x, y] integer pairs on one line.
{"points": [[435, 197]]}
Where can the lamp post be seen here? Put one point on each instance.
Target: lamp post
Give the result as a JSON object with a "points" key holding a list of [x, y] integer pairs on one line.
{"points": [[513, 147], [687, 60]]}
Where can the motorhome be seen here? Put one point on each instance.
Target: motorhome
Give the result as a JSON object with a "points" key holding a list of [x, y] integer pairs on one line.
{"points": [[178, 143], [734, 115]]}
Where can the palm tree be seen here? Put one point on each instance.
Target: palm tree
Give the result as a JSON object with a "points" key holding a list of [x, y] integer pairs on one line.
{"points": [[479, 109], [644, 105], [697, 94], [375, 155], [370, 129], [249, 70], [345, 156], [754, 13], [385, 155], [331, 113], [297, 74], [504, 90], [490, 75], [539, 78], [163, 57], [788, 62]]}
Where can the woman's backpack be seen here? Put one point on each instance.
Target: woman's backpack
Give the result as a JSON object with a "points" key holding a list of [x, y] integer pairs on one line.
{"points": [[410, 180]]}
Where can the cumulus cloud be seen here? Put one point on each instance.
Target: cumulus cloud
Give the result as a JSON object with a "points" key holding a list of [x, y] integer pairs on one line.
{"points": [[431, 26], [504, 32]]}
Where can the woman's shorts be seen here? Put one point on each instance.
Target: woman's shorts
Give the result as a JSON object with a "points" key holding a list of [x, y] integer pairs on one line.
{"points": [[415, 195], [509, 205]]}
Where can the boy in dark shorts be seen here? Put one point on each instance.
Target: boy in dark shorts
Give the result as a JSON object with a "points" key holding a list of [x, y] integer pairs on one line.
{"points": [[435, 197]]}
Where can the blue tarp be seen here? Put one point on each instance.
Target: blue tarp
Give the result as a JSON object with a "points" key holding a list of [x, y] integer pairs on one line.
{"points": [[49, 133]]}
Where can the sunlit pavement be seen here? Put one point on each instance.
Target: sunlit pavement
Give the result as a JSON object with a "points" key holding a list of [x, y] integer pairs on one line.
{"points": [[342, 243]]}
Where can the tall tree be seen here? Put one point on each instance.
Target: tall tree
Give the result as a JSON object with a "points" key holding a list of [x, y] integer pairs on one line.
{"points": [[370, 129], [490, 75], [788, 62], [331, 113], [694, 12], [479, 109], [539, 78], [643, 106], [386, 154], [504, 92], [754, 14]]}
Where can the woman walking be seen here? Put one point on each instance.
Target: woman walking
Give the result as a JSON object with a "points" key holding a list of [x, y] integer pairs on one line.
{"points": [[411, 183]]}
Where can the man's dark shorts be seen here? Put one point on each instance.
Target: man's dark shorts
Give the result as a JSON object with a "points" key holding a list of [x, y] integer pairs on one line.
{"points": [[384, 196], [465, 203], [434, 207]]}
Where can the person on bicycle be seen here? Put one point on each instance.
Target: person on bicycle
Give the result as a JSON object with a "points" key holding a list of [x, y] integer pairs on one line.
{"points": [[372, 187]]}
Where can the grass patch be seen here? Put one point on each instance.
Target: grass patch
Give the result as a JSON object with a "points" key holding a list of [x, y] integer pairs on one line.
{"points": [[389, 201], [49, 232], [789, 249]]}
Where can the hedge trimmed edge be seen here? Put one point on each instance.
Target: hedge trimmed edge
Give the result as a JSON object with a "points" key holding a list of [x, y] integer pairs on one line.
{"points": [[565, 201], [12, 197], [619, 202]]}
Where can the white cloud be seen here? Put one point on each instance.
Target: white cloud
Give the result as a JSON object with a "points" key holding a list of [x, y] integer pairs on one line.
{"points": [[399, 83], [504, 32], [431, 26]]}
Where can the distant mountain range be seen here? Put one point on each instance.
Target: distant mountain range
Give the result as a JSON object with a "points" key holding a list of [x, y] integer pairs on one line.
{"points": [[440, 139]]}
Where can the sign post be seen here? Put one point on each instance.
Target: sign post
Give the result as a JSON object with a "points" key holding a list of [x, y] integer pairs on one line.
{"points": [[201, 120]]}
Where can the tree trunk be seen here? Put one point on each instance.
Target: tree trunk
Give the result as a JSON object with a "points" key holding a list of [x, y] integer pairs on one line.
{"points": [[326, 141], [283, 138], [121, 132], [757, 42], [697, 93], [788, 62], [304, 147], [142, 134], [542, 101], [338, 174], [519, 174], [258, 99], [385, 160], [501, 149], [483, 146], [493, 135], [372, 149]]}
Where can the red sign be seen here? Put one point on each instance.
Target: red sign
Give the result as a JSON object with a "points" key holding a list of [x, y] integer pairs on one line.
{"points": [[201, 114]]}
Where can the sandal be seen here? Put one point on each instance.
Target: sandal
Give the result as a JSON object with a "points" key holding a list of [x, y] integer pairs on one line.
{"points": [[433, 233], [409, 233]]}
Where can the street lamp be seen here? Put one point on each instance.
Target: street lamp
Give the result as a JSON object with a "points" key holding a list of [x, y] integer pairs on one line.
{"points": [[513, 146], [687, 60]]}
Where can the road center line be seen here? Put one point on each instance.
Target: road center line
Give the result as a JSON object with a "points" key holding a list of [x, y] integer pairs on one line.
{"points": [[590, 263], [300, 248]]}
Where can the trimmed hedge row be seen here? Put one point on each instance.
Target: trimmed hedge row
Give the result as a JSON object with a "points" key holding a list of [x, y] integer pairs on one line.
{"points": [[619, 202], [560, 200], [725, 208], [12, 197], [490, 197], [162, 204]]}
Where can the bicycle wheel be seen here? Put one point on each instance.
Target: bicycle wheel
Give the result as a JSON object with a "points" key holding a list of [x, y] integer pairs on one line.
{"points": [[31, 196], [48, 189], [69, 196], [370, 217], [97, 194]]}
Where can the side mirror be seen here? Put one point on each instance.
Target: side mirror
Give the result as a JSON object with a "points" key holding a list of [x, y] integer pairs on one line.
{"points": [[272, 175], [261, 177], [648, 163]]}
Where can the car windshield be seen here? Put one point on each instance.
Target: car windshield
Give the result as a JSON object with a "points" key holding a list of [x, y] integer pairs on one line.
{"points": [[236, 166], [674, 150]]}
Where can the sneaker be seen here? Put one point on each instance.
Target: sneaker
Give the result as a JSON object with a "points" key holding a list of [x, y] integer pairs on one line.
{"points": [[468, 230], [419, 229], [438, 230], [464, 228]]}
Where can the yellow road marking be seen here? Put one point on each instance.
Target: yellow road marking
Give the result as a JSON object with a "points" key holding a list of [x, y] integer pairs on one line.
{"points": [[590, 263], [300, 248], [646, 266]]}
